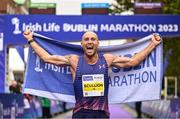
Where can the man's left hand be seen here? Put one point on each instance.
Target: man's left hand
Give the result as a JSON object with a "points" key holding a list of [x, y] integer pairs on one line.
{"points": [[156, 38]]}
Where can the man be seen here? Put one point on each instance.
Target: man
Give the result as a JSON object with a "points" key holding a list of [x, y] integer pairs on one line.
{"points": [[138, 109], [95, 103], [46, 107]]}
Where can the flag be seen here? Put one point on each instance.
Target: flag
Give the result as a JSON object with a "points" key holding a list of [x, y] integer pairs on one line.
{"points": [[139, 83]]}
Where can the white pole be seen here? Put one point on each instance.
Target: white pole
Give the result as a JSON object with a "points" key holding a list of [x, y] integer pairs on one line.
{"points": [[165, 87]]}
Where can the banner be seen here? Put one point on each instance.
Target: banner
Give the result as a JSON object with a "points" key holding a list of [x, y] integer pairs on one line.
{"points": [[142, 82], [11, 106], [71, 28], [2, 71], [2, 56]]}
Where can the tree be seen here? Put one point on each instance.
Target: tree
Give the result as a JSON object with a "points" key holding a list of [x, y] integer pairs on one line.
{"points": [[121, 6]]}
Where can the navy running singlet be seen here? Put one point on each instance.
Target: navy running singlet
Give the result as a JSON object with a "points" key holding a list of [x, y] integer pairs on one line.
{"points": [[91, 85]]}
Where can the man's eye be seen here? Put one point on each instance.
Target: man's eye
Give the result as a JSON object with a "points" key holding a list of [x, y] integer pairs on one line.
{"points": [[93, 39], [86, 39]]}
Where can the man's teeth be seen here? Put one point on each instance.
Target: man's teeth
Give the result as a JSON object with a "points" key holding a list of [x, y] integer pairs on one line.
{"points": [[89, 47]]}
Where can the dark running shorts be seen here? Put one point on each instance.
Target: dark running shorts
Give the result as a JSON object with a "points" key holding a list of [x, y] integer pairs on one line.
{"points": [[85, 113]]}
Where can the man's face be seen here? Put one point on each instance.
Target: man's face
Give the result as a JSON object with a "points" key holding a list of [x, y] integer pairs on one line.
{"points": [[90, 43]]}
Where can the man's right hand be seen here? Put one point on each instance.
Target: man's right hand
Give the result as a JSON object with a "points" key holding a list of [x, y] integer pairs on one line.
{"points": [[28, 34]]}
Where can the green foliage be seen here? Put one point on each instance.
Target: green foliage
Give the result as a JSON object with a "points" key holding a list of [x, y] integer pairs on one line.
{"points": [[174, 59], [169, 6], [121, 6]]}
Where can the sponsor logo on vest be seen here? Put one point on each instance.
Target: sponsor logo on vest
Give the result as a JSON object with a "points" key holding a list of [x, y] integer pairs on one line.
{"points": [[87, 78], [102, 66]]}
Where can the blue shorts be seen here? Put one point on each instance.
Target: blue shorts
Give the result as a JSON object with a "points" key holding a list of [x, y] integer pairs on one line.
{"points": [[85, 113]]}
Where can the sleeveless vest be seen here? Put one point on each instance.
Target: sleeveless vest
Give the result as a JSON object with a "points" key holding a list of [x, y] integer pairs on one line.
{"points": [[88, 71]]}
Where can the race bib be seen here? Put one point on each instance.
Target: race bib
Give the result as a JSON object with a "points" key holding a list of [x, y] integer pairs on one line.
{"points": [[93, 85]]}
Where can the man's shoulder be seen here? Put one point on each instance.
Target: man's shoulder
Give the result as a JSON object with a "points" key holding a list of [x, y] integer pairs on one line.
{"points": [[107, 55]]}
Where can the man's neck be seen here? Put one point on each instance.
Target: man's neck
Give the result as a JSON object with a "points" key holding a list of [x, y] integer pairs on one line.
{"points": [[92, 59]]}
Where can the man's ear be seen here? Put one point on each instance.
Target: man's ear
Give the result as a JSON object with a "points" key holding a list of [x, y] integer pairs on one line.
{"points": [[81, 43]]}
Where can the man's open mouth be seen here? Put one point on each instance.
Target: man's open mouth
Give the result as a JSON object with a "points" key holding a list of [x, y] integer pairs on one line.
{"points": [[89, 47]]}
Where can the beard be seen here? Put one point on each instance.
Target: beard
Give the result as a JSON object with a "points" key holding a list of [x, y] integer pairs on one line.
{"points": [[90, 54]]}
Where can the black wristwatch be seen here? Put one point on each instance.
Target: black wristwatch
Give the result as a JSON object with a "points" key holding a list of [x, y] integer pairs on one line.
{"points": [[30, 41]]}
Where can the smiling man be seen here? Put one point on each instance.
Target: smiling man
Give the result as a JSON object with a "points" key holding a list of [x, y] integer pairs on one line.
{"points": [[90, 72]]}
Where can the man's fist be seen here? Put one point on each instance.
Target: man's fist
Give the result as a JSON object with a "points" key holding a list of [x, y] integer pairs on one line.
{"points": [[28, 34], [156, 39]]}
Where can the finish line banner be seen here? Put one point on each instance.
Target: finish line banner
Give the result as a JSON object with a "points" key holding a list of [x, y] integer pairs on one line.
{"points": [[71, 28], [139, 83]]}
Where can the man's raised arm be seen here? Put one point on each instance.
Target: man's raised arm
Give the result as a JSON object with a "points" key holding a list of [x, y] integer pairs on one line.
{"points": [[137, 58], [43, 54]]}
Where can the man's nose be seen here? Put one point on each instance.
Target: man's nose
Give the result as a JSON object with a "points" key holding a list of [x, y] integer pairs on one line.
{"points": [[89, 41]]}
